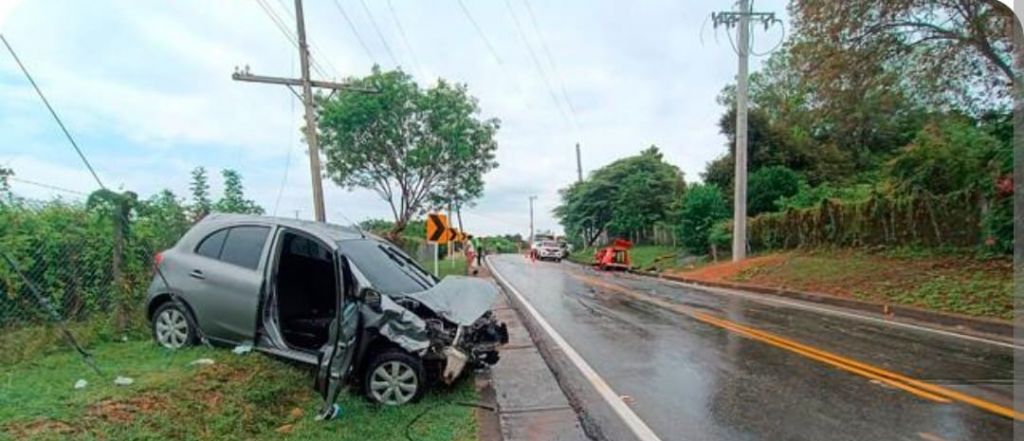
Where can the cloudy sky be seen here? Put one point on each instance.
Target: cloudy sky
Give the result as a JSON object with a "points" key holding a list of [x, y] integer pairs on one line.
{"points": [[146, 89]]}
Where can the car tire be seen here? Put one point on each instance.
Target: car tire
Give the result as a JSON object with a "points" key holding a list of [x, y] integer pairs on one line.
{"points": [[173, 327], [394, 378]]}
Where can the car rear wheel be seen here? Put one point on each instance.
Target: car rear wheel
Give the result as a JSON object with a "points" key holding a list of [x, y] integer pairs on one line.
{"points": [[394, 378], [172, 328]]}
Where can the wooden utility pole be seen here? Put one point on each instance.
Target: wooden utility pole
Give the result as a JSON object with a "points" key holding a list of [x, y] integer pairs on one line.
{"points": [[741, 19], [307, 85]]}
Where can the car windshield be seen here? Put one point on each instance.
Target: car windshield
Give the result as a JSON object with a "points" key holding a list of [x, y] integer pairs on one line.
{"points": [[388, 268], [549, 244]]}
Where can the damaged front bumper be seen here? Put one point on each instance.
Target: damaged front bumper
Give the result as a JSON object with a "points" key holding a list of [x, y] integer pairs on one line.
{"points": [[451, 323]]}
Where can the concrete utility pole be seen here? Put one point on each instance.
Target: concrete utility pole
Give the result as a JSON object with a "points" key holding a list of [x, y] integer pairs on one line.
{"points": [[579, 164], [741, 20], [307, 85], [531, 220]]}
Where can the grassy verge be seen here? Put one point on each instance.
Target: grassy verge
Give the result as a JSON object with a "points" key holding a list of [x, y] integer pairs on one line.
{"points": [[446, 267], [949, 282], [238, 397]]}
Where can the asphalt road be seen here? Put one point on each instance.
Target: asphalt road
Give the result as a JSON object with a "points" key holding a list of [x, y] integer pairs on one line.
{"points": [[700, 365]]}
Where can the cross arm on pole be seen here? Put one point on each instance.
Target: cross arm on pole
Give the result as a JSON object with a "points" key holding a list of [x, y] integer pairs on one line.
{"points": [[246, 76]]}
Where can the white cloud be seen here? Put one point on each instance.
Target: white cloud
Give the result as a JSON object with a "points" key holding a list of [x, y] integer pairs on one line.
{"points": [[146, 89]]}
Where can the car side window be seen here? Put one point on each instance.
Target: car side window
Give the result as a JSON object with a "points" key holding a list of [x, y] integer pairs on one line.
{"points": [[244, 246], [212, 244]]}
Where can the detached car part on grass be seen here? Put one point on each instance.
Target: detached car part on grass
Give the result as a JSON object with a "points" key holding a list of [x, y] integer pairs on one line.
{"points": [[614, 257], [348, 302]]}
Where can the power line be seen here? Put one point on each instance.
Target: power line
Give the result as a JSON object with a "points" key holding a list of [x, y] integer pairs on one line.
{"points": [[315, 48], [405, 39], [355, 31], [287, 33], [480, 33], [379, 34], [52, 112], [551, 60], [288, 153], [47, 186], [536, 62]]}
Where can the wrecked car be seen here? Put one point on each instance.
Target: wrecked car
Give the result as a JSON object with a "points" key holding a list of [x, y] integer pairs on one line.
{"points": [[346, 301]]}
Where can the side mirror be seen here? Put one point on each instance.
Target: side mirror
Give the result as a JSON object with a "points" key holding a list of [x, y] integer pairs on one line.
{"points": [[370, 297]]}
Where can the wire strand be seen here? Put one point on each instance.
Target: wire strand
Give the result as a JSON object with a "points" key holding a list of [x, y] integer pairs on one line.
{"points": [[537, 64], [355, 31], [380, 35], [405, 39], [53, 113]]}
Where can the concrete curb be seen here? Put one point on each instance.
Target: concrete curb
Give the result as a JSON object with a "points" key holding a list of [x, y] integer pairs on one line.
{"points": [[959, 322], [532, 406]]}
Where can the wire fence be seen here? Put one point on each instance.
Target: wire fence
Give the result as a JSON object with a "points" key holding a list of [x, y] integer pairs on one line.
{"points": [[78, 261]]}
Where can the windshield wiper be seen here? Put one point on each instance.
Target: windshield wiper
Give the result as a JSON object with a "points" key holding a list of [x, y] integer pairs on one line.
{"points": [[425, 283]]}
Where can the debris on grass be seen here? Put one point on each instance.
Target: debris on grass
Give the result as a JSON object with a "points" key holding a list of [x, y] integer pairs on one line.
{"points": [[123, 381], [202, 362], [242, 349], [81, 384]]}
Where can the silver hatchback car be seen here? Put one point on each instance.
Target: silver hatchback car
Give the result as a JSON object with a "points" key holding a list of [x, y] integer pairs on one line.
{"points": [[344, 300]]}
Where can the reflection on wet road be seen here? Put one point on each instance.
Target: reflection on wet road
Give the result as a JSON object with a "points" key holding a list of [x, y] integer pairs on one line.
{"points": [[698, 365]]}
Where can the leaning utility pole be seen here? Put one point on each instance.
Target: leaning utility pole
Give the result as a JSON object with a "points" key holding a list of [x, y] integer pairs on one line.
{"points": [[307, 85], [741, 20]]}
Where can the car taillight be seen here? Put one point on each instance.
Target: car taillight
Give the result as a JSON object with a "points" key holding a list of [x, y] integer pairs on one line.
{"points": [[159, 257]]}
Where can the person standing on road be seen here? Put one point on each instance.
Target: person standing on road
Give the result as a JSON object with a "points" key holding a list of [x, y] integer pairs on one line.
{"points": [[470, 252], [478, 247]]}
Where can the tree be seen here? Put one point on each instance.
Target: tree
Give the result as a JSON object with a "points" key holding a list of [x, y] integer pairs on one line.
{"points": [[768, 185], [702, 207], [234, 200], [948, 157], [958, 46], [200, 189], [413, 147], [5, 185], [626, 198]]}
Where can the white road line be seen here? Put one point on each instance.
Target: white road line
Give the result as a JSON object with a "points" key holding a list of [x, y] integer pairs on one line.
{"points": [[635, 424], [800, 305]]}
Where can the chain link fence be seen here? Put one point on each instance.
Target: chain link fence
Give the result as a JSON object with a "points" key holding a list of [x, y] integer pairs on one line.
{"points": [[75, 261]]}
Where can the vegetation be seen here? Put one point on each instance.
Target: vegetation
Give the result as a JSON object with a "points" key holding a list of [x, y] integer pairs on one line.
{"points": [[703, 207], [417, 148], [237, 397], [626, 198]]}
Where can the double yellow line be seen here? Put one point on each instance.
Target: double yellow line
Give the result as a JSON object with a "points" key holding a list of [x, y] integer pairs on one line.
{"points": [[918, 388]]}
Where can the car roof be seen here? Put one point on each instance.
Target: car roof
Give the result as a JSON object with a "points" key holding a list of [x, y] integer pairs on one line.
{"points": [[326, 231]]}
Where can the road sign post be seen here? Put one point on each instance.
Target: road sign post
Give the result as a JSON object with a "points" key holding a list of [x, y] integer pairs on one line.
{"points": [[438, 233]]}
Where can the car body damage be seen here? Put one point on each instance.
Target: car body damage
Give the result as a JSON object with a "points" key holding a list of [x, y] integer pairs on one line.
{"points": [[455, 315]]}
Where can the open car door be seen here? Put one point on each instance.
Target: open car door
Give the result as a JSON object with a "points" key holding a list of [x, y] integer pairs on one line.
{"points": [[335, 358]]}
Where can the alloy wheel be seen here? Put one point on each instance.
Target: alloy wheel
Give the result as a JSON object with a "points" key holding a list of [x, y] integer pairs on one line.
{"points": [[171, 329], [393, 383]]}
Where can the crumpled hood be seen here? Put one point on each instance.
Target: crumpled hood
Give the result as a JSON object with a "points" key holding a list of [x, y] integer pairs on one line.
{"points": [[459, 299]]}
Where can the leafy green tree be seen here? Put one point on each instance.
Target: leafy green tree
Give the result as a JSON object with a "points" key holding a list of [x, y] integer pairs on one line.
{"points": [[163, 218], [234, 200], [200, 188], [626, 198], [944, 158], [951, 47], [702, 207], [768, 185], [413, 147], [5, 175]]}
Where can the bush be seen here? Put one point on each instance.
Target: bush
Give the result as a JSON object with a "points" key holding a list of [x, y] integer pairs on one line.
{"points": [[702, 207], [769, 185]]}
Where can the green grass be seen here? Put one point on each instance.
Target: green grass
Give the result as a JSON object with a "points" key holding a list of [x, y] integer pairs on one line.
{"points": [[446, 267], [943, 281], [250, 396]]}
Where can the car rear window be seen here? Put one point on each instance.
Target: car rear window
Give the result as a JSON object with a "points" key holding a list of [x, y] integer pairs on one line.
{"points": [[244, 246], [212, 244]]}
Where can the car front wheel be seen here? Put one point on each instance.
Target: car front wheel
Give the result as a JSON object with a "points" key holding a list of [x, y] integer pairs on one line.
{"points": [[171, 327], [394, 378]]}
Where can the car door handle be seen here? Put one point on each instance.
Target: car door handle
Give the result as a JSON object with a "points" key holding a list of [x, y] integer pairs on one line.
{"points": [[196, 274]]}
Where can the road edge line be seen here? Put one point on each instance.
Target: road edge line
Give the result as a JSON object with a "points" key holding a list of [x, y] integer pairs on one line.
{"points": [[630, 418]]}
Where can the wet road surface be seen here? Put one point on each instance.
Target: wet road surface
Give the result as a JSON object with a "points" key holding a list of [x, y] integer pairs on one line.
{"points": [[721, 366]]}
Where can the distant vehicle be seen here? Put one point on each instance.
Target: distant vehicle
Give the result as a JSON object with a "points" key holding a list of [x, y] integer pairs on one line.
{"points": [[346, 301], [550, 250]]}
